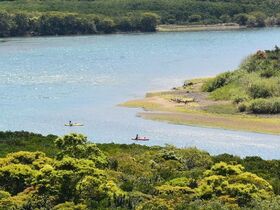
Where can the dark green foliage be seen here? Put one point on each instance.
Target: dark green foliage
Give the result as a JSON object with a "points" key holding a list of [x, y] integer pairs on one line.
{"points": [[260, 90], [218, 82], [106, 25], [267, 73], [265, 106], [242, 107], [54, 17], [6, 24], [25, 141], [241, 18], [136, 177], [259, 18], [70, 206], [148, 22], [15, 178], [58, 23], [194, 18], [77, 146]]}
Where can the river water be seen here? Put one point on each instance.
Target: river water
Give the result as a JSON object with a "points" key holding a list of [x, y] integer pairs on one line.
{"points": [[46, 81]]}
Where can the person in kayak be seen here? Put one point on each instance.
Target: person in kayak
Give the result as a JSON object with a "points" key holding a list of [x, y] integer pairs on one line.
{"points": [[137, 137], [70, 123]]}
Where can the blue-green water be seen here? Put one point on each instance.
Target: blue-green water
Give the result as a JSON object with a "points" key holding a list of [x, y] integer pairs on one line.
{"points": [[44, 82]]}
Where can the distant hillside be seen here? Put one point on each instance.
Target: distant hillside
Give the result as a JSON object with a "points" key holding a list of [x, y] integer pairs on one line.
{"points": [[54, 17]]}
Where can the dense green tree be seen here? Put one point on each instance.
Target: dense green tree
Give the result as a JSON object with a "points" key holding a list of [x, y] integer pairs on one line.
{"points": [[22, 25], [260, 18], [125, 24], [194, 18], [70, 206], [231, 183], [77, 146], [148, 22], [143, 178], [106, 25], [241, 19], [14, 178], [6, 24]]}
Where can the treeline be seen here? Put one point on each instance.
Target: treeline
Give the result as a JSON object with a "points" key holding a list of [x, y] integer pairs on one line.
{"points": [[23, 24], [81, 175], [253, 19], [99, 16]]}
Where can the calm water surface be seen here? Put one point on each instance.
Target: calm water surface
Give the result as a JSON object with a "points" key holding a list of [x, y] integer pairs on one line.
{"points": [[44, 82]]}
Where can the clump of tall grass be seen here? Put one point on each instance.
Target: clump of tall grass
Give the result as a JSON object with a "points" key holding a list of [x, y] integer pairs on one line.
{"points": [[263, 87], [232, 91], [268, 73], [260, 90], [217, 82], [264, 106]]}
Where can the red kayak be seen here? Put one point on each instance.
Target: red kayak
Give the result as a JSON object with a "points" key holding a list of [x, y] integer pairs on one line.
{"points": [[140, 139]]}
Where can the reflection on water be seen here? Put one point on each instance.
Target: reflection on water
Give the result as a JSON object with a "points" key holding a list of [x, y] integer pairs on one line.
{"points": [[46, 81]]}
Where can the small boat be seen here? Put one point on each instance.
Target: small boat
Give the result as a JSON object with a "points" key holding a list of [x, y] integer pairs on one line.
{"points": [[140, 139], [74, 124]]}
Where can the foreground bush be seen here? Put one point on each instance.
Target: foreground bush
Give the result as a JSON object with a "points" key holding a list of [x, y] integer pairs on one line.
{"points": [[217, 82], [265, 106]]}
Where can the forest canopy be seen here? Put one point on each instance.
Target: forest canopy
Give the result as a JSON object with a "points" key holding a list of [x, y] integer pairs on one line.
{"points": [[54, 17], [83, 175]]}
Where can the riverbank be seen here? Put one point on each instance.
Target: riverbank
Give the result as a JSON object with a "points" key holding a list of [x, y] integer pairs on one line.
{"points": [[188, 105], [187, 28]]}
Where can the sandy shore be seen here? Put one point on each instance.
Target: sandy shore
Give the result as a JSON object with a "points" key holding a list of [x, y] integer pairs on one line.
{"points": [[190, 106], [184, 28]]}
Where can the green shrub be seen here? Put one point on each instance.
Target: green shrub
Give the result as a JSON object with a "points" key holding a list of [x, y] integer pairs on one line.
{"points": [[148, 22], [265, 106], [267, 73], [260, 90], [106, 25], [242, 107], [70, 206], [238, 99], [232, 91], [217, 82], [260, 18], [241, 18], [194, 18]]}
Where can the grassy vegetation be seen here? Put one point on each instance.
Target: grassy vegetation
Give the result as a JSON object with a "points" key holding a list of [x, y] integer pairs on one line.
{"points": [[234, 100], [222, 109], [254, 87], [141, 104], [83, 175]]}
